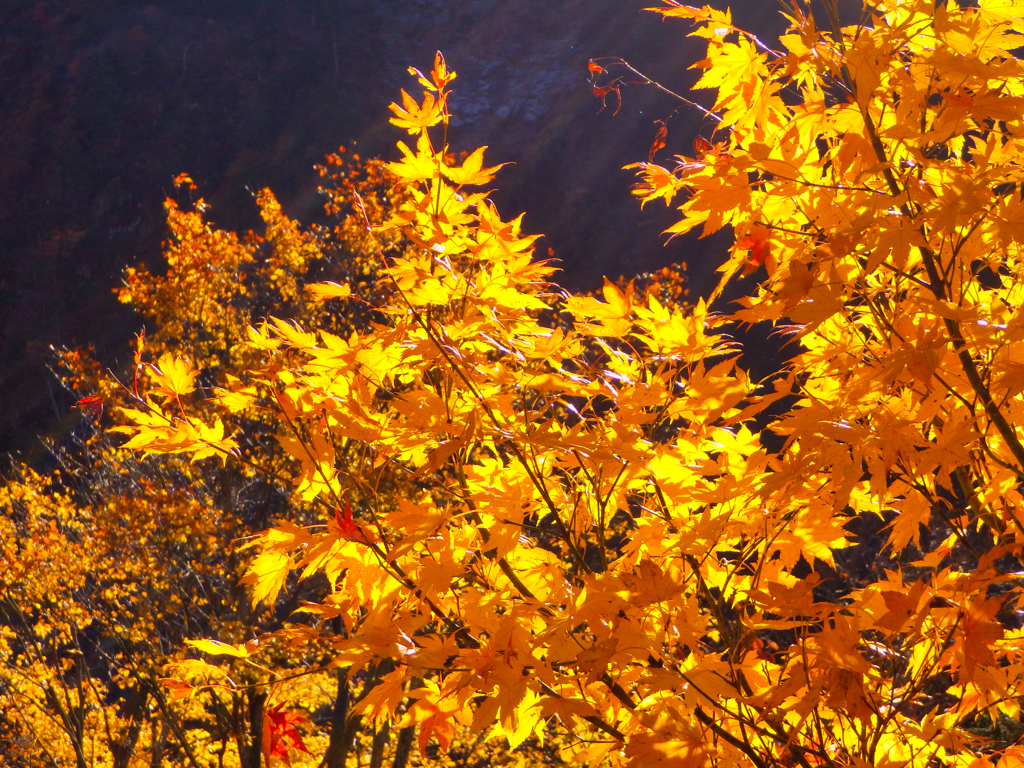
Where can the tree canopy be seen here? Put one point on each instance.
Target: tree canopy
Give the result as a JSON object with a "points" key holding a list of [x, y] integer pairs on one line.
{"points": [[577, 523]]}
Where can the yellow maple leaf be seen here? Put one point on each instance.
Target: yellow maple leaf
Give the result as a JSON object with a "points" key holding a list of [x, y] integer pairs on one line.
{"points": [[471, 171], [416, 118], [217, 648], [174, 376], [267, 574], [324, 291], [416, 166]]}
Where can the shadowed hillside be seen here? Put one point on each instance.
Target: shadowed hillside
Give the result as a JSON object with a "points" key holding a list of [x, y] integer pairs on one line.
{"points": [[102, 102]]}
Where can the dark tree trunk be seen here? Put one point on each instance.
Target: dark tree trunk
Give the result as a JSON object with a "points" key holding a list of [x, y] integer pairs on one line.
{"points": [[337, 748], [156, 755], [250, 754], [403, 746], [348, 736], [380, 740]]}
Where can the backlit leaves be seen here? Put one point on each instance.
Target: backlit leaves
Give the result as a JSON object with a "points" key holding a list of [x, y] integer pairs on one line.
{"points": [[528, 505]]}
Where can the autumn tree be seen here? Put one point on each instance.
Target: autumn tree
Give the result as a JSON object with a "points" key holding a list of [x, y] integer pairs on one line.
{"points": [[528, 509], [110, 563], [605, 539]]}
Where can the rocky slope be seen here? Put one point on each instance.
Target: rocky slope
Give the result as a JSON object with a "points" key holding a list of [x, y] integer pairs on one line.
{"points": [[102, 102]]}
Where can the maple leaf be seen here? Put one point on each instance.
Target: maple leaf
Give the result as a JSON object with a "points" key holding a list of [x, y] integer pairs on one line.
{"points": [[702, 146], [177, 690], [91, 406], [706, 14], [979, 633], [434, 713], [217, 648], [268, 573], [666, 749], [414, 117], [901, 607], [173, 376], [441, 74], [437, 724], [140, 342], [418, 165], [236, 400], [757, 241], [280, 733], [324, 291], [657, 183], [347, 527], [472, 172], [659, 140], [602, 93], [184, 179]]}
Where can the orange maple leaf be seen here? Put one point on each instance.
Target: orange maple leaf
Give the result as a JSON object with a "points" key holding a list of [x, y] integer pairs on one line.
{"points": [[758, 243], [441, 726], [659, 140], [981, 631]]}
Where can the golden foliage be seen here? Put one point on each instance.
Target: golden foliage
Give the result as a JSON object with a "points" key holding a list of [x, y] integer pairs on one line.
{"points": [[596, 531], [526, 509]]}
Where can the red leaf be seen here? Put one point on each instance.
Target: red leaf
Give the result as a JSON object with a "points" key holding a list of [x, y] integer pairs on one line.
{"points": [[91, 406], [659, 140], [702, 147], [597, 69], [602, 93], [618, 105], [279, 733], [349, 527]]}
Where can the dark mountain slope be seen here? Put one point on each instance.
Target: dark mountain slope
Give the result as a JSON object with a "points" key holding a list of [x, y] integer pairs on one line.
{"points": [[102, 102]]}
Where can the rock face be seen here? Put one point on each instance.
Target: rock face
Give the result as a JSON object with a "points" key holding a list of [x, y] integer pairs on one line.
{"points": [[102, 102]]}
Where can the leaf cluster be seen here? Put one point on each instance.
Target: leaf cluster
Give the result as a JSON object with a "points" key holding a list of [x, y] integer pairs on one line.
{"points": [[522, 510]]}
